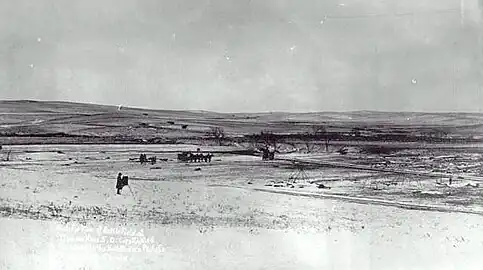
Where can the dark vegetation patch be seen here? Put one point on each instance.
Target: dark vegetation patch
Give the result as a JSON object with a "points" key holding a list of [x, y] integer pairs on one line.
{"points": [[379, 150]]}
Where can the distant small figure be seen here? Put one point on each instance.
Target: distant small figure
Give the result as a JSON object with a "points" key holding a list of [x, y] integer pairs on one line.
{"points": [[265, 153], [450, 180], [268, 153], [152, 160], [143, 158], [119, 184]]}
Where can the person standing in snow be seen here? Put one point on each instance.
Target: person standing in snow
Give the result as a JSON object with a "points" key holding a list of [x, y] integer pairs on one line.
{"points": [[119, 184]]}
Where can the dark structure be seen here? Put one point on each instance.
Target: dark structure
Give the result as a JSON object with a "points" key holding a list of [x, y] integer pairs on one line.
{"points": [[268, 154], [184, 156]]}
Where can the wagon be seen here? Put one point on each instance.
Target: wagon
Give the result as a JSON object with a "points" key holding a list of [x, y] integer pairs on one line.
{"points": [[184, 156]]}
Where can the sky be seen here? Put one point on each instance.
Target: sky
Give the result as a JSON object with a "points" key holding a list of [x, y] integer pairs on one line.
{"points": [[246, 55]]}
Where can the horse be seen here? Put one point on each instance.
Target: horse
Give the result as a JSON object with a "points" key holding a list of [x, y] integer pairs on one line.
{"points": [[197, 157], [207, 158]]}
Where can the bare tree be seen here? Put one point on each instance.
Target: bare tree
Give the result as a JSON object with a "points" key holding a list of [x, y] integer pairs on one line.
{"points": [[309, 146], [269, 139], [318, 130], [320, 133], [218, 133]]}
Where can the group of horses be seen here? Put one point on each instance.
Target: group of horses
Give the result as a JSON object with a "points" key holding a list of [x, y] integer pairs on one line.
{"points": [[195, 157], [184, 156]]}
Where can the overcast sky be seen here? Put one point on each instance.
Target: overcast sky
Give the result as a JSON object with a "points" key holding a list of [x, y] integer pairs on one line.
{"points": [[246, 55]]}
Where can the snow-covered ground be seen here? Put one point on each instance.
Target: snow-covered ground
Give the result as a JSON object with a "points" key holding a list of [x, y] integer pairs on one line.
{"points": [[405, 240], [178, 219]]}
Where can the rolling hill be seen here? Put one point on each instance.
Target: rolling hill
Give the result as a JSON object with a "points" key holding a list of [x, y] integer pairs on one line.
{"points": [[26, 121]]}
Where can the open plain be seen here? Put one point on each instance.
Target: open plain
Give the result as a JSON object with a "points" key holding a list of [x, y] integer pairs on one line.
{"points": [[413, 200]]}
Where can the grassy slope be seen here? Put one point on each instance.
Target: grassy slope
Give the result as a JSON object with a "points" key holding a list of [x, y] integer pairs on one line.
{"points": [[45, 117]]}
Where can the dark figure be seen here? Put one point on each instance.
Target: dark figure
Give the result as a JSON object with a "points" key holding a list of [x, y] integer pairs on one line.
{"points": [[265, 154], [450, 180], [119, 184], [209, 156], [152, 160], [143, 158], [271, 155]]}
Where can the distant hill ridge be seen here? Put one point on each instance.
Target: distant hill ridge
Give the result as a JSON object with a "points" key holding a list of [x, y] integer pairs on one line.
{"points": [[106, 123], [52, 105]]}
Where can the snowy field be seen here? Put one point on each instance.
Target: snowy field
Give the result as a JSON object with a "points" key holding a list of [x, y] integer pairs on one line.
{"points": [[60, 211]]}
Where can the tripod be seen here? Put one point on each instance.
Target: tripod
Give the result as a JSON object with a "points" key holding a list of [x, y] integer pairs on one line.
{"points": [[299, 174]]}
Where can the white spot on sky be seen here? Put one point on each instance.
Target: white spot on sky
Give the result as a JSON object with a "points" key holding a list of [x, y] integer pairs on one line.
{"points": [[292, 49], [341, 4], [414, 81], [227, 58], [39, 39], [174, 36], [31, 65], [323, 20]]}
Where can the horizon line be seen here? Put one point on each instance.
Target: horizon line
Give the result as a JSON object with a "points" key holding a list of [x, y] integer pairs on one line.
{"points": [[253, 112]]}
